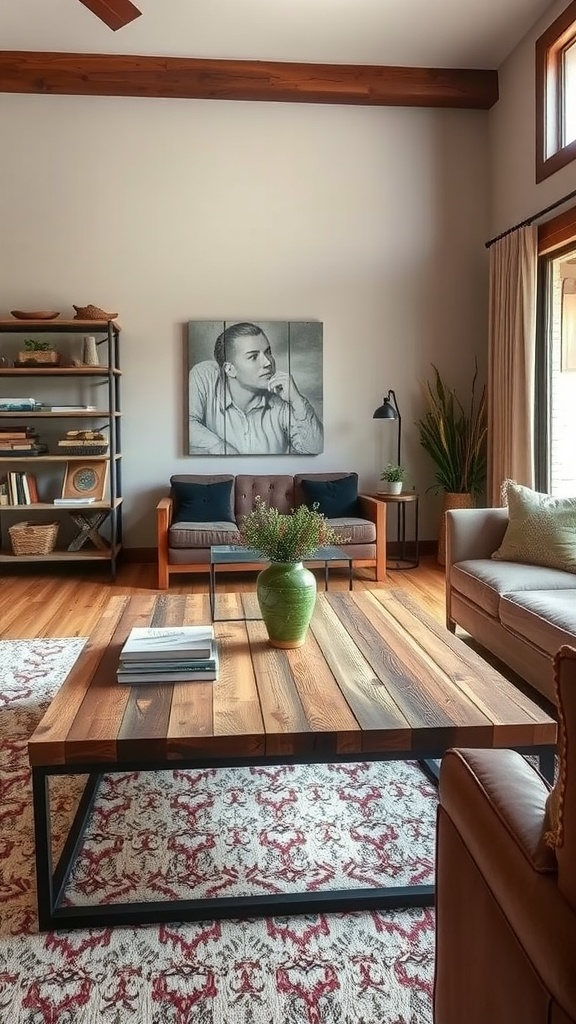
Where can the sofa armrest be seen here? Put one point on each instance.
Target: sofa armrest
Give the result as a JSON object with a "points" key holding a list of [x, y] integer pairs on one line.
{"points": [[498, 790], [474, 532], [375, 512], [164, 510], [497, 892]]}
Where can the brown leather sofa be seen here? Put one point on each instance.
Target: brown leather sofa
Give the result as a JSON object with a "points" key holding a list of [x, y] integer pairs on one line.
{"points": [[505, 900]]}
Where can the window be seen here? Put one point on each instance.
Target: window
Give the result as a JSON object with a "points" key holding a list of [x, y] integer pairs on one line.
{"points": [[556, 95], [555, 407]]}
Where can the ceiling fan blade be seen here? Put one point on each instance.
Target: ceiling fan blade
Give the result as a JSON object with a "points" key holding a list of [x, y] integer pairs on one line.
{"points": [[114, 13]]}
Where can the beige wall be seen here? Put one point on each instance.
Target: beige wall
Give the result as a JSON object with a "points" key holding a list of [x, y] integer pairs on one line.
{"points": [[514, 194], [370, 220]]}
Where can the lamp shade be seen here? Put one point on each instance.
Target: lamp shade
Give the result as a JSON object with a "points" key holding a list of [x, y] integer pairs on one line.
{"points": [[386, 411]]}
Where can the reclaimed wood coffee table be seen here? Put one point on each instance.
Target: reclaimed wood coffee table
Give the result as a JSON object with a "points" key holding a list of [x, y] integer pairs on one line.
{"points": [[377, 678]]}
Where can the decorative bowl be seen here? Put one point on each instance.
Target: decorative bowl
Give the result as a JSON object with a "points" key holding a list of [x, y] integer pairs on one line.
{"points": [[92, 313], [34, 314]]}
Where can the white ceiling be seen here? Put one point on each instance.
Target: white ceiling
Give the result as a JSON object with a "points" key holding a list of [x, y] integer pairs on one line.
{"points": [[429, 33]]}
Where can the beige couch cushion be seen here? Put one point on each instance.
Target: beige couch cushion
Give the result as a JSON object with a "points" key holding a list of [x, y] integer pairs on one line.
{"points": [[202, 535], [546, 618], [356, 531], [483, 581]]}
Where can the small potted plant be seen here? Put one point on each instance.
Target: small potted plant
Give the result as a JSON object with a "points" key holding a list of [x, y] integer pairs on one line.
{"points": [[286, 589], [392, 477], [38, 353]]}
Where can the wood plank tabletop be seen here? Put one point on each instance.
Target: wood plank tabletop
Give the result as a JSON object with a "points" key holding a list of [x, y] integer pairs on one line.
{"points": [[376, 674]]}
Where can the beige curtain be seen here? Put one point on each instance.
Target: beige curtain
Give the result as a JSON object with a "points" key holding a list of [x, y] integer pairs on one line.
{"points": [[511, 346]]}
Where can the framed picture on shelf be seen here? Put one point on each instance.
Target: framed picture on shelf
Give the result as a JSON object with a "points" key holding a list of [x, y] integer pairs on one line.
{"points": [[86, 479]]}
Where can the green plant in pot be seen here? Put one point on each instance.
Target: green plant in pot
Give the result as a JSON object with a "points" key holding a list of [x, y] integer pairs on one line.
{"points": [[455, 438], [392, 477], [38, 353], [286, 589]]}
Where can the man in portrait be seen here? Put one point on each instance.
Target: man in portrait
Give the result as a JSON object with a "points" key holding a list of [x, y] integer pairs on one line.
{"points": [[241, 403]]}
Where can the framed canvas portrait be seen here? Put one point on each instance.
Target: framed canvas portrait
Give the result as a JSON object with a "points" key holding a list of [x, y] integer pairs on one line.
{"points": [[255, 387]]}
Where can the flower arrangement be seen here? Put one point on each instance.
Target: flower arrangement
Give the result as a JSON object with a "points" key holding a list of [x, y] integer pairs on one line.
{"points": [[286, 537], [455, 438], [393, 474]]}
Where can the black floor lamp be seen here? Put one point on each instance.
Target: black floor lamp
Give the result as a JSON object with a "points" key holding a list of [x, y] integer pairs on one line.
{"points": [[389, 411]]}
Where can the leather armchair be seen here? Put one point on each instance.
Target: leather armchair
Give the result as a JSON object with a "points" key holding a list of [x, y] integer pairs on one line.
{"points": [[505, 900]]}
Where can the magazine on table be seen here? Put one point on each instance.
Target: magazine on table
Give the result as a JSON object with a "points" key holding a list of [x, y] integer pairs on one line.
{"points": [[152, 674], [170, 643]]}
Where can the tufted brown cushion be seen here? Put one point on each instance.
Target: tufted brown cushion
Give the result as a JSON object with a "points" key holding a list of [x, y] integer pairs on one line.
{"points": [[277, 490]]}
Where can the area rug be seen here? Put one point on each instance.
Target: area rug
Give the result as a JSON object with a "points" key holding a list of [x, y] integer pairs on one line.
{"points": [[267, 829]]}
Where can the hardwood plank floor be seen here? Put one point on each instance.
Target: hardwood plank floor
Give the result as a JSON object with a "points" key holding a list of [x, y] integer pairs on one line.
{"points": [[61, 601]]}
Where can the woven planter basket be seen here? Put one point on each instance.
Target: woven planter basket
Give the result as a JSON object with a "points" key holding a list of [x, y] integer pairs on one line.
{"points": [[451, 500], [31, 357], [33, 538]]}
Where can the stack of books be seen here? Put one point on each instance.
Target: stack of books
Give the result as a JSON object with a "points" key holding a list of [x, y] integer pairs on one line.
{"points": [[19, 441], [168, 654]]}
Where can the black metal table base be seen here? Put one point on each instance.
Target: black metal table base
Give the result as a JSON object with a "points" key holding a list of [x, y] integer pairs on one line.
{"points": [[55, 913]]}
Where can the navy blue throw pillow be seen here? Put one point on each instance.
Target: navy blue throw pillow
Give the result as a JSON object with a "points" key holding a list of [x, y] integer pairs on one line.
{"points": [[337, 499], [202, 503]]}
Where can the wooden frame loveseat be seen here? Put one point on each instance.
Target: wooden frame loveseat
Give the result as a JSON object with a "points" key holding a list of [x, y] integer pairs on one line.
{"points": [[184, 547]]}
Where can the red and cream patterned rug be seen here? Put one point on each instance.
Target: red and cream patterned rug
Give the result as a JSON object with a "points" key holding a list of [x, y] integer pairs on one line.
{"points": [[230, 831]]}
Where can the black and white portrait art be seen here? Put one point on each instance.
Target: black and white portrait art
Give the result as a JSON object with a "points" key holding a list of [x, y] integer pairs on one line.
{"points": [[254, 387]]}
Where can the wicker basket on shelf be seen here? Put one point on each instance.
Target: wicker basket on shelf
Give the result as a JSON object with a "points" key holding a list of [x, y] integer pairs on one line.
{"points": [[33, 538]]}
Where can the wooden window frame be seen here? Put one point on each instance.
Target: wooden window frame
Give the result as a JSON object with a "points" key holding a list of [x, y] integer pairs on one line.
{"points": [[551, 155]]}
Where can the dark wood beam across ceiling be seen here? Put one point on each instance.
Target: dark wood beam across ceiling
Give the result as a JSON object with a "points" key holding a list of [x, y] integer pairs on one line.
{"points": [[106, 74], [114, 13]]}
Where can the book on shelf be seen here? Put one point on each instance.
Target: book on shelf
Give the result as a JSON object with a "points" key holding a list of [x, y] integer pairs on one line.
{"points": [[21, 488], [153, 675], [73, 408], [74, 501], [171, 643], [19, 434], [32, 488]]}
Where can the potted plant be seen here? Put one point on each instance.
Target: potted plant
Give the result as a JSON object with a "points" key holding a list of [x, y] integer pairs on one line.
{"points": [[392, 477], [286, 589], [455, 438], [38, 353]]}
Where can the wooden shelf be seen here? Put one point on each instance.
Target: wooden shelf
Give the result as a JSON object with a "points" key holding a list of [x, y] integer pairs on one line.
{"points": [[8, 460], [58, 371], [57, 326], [49, 506], [88, 517], [90, 555], [48, 414]]}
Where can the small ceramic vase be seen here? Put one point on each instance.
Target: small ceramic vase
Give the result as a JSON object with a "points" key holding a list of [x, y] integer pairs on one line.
{"points": [[90, 352]]}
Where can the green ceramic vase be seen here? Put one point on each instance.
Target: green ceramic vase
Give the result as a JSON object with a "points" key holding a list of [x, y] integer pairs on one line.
{"points": [[286, 593]]}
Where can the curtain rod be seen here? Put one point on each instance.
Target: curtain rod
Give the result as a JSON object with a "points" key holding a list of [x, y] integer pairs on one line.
{"points": [[530, 220]]}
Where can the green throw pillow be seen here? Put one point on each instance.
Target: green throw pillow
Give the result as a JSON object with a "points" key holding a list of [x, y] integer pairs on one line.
{"points": [[541, 530]]}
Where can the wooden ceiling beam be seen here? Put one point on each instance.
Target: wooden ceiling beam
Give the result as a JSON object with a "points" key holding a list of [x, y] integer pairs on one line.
{"points": [[114, 13], [106, 74]]}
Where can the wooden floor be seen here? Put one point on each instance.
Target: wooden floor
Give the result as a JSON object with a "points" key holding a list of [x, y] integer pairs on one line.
{"points": [[65, 601]]}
